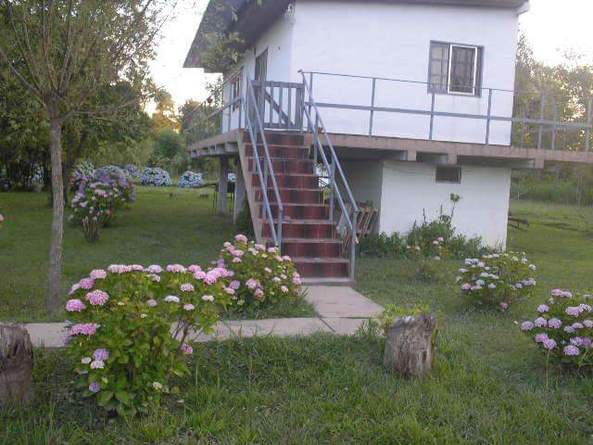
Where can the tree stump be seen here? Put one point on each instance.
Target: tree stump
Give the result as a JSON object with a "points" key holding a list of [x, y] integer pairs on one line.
{"points": [[16, 366], [409, 348]]}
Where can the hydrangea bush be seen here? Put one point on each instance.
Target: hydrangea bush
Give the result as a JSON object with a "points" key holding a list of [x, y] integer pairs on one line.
{"points": [[121, 182], [120, 333], [261, 276], [83, 172], [564, 328], [93, 206], [155, 177], [132, 170], [497, 279], [191, 179]]}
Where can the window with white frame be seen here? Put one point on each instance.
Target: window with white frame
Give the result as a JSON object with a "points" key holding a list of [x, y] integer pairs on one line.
{"points": [[455, 69]]}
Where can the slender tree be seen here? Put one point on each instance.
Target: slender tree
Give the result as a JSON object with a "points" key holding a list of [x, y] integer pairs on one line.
{"points": [[62, 52]]}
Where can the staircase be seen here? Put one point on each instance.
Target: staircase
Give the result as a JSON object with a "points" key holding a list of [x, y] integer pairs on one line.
{"points": [[288, 206], [309, 237]]}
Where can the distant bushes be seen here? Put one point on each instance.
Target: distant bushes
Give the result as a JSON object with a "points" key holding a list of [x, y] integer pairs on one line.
{"points": [[155, 177], [191, 179], [562, 188]]}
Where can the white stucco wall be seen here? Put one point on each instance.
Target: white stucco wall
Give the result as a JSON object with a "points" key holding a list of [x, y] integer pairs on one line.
{"points": [[278, 40], [365, 179], [410, 189]]}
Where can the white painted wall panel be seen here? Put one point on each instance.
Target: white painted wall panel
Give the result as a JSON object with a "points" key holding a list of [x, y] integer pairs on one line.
{"points": [[410, 189], [386, 40]]}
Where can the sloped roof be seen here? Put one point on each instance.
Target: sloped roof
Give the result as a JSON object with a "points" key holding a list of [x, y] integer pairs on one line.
{"points": [[250, 18]]}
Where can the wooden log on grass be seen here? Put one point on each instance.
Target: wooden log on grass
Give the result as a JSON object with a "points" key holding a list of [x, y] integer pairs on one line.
{"points": [[409, 347], [16, 366]]}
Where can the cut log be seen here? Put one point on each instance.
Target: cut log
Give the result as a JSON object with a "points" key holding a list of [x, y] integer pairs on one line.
{"points": [[409, 347], [16, 366]]}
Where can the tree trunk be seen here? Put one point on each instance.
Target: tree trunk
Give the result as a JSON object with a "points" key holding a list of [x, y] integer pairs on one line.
{"points": [[16, 366], [409, 348], [57, 227]]}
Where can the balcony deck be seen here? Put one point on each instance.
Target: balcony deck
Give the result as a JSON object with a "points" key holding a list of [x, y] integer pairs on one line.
{"points": [[405, 149]]}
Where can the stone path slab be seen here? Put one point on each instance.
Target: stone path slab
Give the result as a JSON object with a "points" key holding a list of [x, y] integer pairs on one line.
{"points": [[341, 311], [341, 302]]}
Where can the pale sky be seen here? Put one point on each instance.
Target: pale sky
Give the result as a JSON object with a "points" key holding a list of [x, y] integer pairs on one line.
{"points": [[553, 27]]}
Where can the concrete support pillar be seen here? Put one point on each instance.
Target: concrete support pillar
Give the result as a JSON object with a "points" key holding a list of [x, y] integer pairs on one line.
{"points": [[240, 193], [221, 206]]}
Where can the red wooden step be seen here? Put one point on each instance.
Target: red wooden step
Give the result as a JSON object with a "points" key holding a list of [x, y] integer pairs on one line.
{"points": [[286, 166], [298, 211], [296, 196], [322, 267], [279, 151], [304, 229], [290, 181], [312, 248]]}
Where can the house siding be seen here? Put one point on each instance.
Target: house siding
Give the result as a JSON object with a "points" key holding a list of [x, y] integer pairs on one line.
{"points": [[409, 191]]}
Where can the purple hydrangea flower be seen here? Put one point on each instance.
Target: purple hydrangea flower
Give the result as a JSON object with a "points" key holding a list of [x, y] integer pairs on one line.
{"points": [[527, 326], [540, 322], [97, 297], [543, 308], [549, 344], [571, 350], [541, 337], [101, 354], [94, 387], [87, 329], [573, 311], [554, 323]]}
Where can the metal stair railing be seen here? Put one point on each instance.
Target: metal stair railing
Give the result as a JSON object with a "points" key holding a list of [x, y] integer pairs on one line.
{"points": [[265, 169], [316, 127]]}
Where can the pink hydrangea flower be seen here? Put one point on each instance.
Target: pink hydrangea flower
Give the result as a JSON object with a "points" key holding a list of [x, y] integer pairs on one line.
{"points": [[101, 354], [211, 278], [187, 349], [97, 297], [176, 268], [229, 291], [259, 294], [187, 287], [588, 323], [466, 286], [188, 307], [571, 350], [152, 302], [527, 326], [209, 298], [94, 387], [194, 268], [172, 299], [504, 306], [286, 258], [237, 253], [155, 278], [237, 260], [252, 283], [241, 238], [235, 284], [155, 269], [297, 281], [86, 283], [284, 289], [75, 287], [200, 275], [75, 306], [560, 293], [98, 274], [87, 329], [549, 344], [554, 323]]}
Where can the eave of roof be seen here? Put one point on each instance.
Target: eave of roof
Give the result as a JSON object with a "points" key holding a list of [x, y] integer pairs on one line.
{"points": [[221, 16]]}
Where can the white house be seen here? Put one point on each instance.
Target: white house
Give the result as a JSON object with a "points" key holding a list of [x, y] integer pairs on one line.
{"points": [[412, 100]]}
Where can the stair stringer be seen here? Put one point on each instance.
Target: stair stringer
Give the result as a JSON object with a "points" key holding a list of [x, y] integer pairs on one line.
{"points": [[250, 189]]}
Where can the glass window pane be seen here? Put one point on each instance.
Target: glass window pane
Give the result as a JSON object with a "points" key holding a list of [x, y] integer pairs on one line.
{"points": [[438, 67], [462, 76]]}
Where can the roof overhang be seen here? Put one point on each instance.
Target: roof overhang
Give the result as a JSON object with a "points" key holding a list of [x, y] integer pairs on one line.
{"points": [[251, 18]]}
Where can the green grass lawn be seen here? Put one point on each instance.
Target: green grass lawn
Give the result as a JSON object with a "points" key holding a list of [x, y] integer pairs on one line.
{"points": [[164, 226], [489, 385]]}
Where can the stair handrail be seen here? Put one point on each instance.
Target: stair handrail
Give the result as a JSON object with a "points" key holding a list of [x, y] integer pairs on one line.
{"points": [[268, 168], [314, 127]]}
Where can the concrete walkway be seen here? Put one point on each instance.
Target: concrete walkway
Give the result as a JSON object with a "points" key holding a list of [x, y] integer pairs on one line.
{"points": [[341, 311]]}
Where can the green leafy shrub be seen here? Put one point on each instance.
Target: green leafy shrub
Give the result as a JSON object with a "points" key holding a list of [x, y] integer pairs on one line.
{"points": [[121, 333], [497, 279], [564, 328], [382, 245], [378, 326], [261, 276]]}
